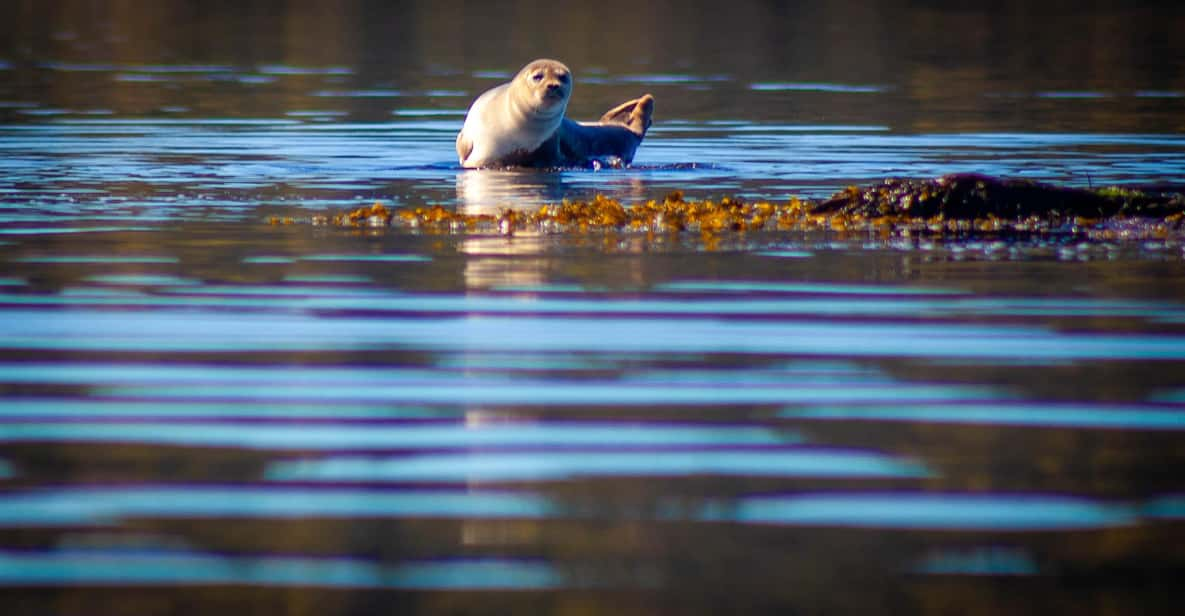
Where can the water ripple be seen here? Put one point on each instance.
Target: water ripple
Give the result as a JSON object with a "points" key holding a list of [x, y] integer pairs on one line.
{"points": [[568, 465], [395, 437], [1048, 415], [94, 568], [937, 511], [164, 330]]}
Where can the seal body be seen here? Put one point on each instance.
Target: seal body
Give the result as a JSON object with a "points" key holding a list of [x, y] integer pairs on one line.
{"points": [[522, 124]]}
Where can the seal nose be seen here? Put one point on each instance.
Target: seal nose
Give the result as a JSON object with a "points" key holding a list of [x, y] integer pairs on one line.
{"points": [[554, 91]]}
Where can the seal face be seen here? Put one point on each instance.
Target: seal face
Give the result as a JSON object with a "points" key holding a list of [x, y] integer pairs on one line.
{"points": [[509, 125], [523, 123]]}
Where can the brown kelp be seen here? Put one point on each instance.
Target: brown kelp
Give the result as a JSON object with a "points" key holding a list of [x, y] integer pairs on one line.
{"points": [[964, 203]]}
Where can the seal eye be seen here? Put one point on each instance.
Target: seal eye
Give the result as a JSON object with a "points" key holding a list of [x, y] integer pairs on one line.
{"points": [[537, 77], [564, 78]]}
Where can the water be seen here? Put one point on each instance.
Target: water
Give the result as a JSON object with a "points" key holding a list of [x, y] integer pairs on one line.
{"points": [[205, 411]]}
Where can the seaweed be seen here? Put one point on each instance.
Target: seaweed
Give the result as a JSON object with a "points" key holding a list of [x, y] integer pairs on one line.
{"points": [[959, 203]]}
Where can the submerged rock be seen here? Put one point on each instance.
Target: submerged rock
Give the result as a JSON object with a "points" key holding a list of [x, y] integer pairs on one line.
{"points": [[972, 197]]}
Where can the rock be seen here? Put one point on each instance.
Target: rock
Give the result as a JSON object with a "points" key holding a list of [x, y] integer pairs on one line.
{"points": [[971, 196]]}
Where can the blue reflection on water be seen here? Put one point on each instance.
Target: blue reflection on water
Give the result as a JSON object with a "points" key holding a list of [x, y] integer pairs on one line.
{"points": [[936, 511], [150, 280], [1167, 507], [981, 561], [892, 510], [1053, 415], [570, 465], [72, 229], [496, 384], [86, 506], [822, 288], [209, 153], [478, 389], [416, 436], [1174, 396], [381, 258], [769, 86], [91, 568], [73, 408], [243, 331], [288, 69], [334, 279]]}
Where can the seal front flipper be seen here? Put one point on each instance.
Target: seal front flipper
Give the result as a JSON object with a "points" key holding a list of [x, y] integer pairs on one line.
{"points": [[549, 154], [464, 147]]}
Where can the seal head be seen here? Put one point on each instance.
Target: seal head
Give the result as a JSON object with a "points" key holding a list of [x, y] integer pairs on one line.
{"points": [[545, 86], [516, 122]]}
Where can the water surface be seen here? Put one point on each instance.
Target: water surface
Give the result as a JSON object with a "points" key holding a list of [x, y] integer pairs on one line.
{"points": [[204, 410]]}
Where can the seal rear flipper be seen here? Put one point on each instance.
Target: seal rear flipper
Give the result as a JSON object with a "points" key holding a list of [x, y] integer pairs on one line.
{"points": [[636, 115]]}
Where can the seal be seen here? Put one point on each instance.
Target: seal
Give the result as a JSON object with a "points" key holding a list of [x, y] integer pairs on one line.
{"points": [[522, 123]]}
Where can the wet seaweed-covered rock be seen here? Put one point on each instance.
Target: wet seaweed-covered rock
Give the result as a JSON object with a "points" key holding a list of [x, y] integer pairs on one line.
{"points": [[973, 196], [961, 204], [672, 214]]}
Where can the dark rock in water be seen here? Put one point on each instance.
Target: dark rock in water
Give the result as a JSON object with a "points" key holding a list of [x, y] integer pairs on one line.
{"points": [[971, 196]]}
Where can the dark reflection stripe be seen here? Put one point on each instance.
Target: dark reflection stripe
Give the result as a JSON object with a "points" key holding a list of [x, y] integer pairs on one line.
{"points": [[986, 561], [98, 259], [840, 301], [91, 568], [533, 392], [1175, 396]]}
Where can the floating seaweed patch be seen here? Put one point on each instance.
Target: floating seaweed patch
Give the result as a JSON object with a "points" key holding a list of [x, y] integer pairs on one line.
{"points": [[952, 204]]}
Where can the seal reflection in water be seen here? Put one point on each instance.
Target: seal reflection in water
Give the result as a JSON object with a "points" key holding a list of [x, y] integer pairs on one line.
{"points": [[522, 124]]}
